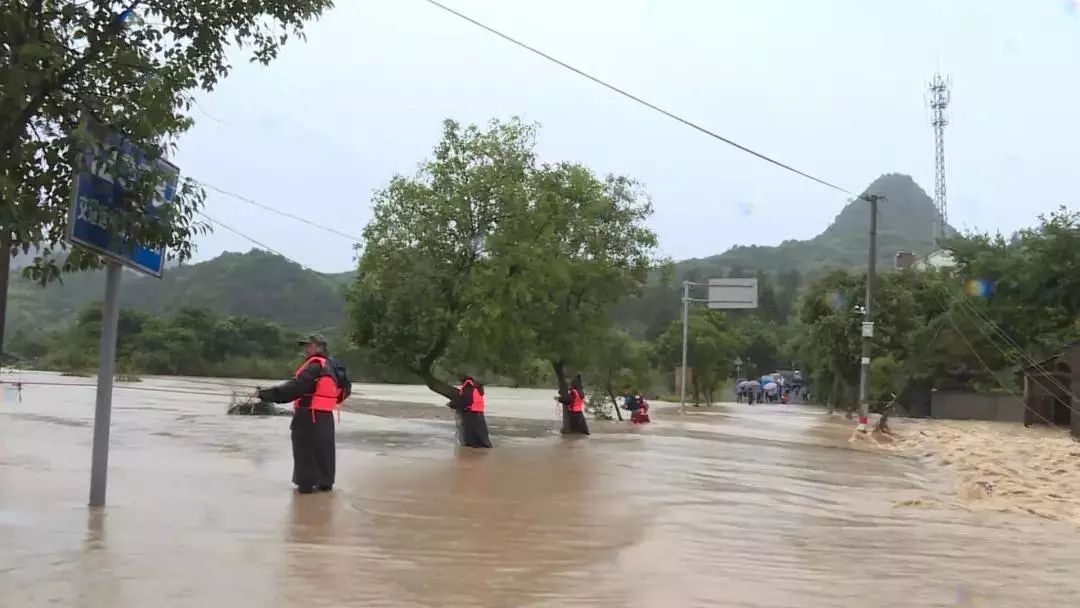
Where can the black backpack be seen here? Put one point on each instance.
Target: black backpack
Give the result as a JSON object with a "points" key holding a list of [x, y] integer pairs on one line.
{"points": [[336, 369]]}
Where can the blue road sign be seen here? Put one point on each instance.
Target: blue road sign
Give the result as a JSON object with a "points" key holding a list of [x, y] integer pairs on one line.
{"points": [[97, 194]]}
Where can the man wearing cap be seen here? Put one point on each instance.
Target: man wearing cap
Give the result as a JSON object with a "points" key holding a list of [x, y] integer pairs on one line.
{"points": [[316, 391]]}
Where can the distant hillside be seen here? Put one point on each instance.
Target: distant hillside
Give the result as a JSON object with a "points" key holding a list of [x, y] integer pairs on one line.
{"points": [[905, 223], [266, 286], [255, 284]]}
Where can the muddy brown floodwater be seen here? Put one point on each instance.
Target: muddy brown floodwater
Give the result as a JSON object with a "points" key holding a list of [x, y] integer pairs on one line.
{"points": [[765, 506]]}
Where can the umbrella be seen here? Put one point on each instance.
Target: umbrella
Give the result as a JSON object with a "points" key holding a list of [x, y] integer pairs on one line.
{"points": [[742, 385], [753, 384], [770, 387]]}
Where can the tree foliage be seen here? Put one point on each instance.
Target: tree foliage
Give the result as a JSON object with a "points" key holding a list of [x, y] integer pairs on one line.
{"points": [[435, 250], [585, 244], [488, 257], [712, 346], [191, 342], [622, 365], [131, 66], [946, 329]]}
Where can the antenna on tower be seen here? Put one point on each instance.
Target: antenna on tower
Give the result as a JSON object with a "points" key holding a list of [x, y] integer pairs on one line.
{"points": [[939, 102]]}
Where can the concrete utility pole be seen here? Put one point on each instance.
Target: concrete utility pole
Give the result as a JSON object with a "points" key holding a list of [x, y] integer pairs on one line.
{"points": [[5, 272], [868, 323], [685, 334]]}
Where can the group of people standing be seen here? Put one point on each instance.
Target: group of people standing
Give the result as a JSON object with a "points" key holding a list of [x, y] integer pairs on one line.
{"points": [[320, 385]]}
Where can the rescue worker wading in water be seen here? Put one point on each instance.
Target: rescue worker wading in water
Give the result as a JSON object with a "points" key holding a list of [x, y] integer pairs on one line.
{"points": [[573, 410], [469, 405], [318, 388]]}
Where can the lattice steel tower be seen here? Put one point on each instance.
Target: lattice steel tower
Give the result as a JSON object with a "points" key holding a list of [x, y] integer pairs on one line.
{"points": [[939, 101]]}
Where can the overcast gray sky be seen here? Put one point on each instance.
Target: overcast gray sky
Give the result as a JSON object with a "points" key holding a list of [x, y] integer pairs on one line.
{"points": [[834, 87]]}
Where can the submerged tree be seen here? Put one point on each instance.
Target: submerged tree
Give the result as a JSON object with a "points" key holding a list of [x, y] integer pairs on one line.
{"points": [[434, 249], [488, 257], [586, 247]]}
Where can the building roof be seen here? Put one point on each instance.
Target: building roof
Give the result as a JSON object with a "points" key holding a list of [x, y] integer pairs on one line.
{"points": [[941, 258]]}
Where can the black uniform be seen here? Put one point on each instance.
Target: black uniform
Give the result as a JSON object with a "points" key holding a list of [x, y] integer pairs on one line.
{"points": [[573, 423], [312, 431], [472, 427]]}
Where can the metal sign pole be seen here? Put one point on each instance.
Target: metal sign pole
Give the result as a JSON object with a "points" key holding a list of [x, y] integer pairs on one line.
{"points": [[110, 316], [685, 332]]}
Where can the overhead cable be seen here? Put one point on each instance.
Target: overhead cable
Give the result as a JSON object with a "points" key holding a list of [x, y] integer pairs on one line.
{"points": [[635, 98], [273, 210]]}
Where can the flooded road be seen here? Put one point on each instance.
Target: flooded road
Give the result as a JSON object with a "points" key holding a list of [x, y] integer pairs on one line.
{"points": [[765, 506]]}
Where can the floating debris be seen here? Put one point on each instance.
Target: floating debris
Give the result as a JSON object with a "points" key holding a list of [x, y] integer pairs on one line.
{"points": [[252, 406]]}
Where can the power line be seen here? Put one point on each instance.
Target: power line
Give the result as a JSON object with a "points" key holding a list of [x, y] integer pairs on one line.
{"points": [[285, 214], [975, 320], [1023, 356], [633, 97], [982, 361], [249, 238]]}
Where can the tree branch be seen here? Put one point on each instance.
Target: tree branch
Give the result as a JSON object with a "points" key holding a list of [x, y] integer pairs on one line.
{"points": [[13, 132]]}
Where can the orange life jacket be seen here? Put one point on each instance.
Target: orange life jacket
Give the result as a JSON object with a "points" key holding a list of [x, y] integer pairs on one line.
{"points": [[477, 404], [577, 402], [327, 395]]}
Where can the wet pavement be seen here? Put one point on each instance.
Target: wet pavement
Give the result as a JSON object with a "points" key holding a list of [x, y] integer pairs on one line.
{"points": [[765, 506]]}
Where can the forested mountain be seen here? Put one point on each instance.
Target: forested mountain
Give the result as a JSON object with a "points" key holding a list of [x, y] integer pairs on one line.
{"points": [[255, 284], [265, 286], [905, 222]]}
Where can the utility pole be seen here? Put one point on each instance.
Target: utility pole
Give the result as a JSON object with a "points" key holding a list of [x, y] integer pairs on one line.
{"points": [[5, 271], [868, 323], [685, 334]]}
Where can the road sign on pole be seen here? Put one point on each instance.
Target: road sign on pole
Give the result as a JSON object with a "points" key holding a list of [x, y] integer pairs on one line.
{"points": [[97, 196], [98, 192], [733, 293]]}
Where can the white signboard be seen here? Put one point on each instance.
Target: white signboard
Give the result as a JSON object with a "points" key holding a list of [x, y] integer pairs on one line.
{"points": [[733, 293]]}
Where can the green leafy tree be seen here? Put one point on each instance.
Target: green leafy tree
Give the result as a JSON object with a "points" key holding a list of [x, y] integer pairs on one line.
{"points": [[131, 66], [1026, 283], [585, 245], [622, 365], [191, 342], [762, 344], [711, 350], [434, 250], [487, 258]]}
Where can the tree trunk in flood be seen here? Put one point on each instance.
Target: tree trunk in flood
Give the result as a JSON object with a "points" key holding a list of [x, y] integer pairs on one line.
{"points": [[436, 385], [560, 374], [833, 394], [5, 270], [614, 401]]}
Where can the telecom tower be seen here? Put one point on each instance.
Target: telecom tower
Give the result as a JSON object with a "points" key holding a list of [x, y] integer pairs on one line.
{"points": [[939, 101]]}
